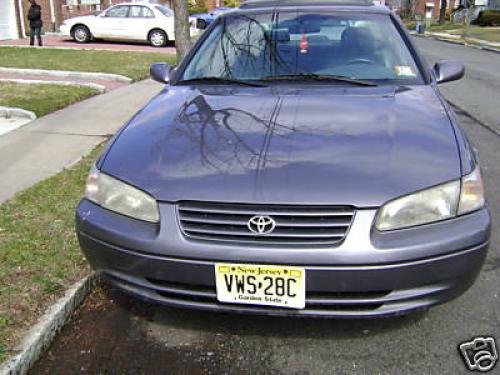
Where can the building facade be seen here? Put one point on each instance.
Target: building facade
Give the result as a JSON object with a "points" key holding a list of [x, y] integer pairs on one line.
{"points": [[14, 23]]}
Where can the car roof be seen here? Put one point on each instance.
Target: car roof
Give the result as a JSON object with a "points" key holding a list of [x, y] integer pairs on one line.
{"points": [[144, 3], [282, 3], [347, 5]]}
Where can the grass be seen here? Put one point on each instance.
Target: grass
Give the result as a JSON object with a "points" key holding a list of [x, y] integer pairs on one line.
{"points": [[131, 64], [41, 99], [491, 34], [40, 257]]}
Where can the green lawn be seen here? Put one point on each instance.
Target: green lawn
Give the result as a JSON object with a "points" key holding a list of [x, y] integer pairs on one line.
{"points": [[41, 99], [39, 257], [491, 34], [486, 33], [131, 64]]}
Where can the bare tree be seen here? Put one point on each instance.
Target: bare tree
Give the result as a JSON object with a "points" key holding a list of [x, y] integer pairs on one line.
{"points": [[442, 11], [181, 28]]}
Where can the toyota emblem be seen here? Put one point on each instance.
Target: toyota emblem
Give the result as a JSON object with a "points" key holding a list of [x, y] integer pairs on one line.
{"points": [[261, 224]]}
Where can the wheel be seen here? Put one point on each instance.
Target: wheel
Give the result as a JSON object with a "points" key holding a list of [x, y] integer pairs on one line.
{"points": [[158, 38], [81, 34], [201, 24]]}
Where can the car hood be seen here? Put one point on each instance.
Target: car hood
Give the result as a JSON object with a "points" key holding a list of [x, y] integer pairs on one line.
{"points": [[311, 145]]}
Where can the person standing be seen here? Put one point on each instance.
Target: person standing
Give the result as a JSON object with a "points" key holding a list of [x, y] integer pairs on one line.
{"points": [[35, 18]]}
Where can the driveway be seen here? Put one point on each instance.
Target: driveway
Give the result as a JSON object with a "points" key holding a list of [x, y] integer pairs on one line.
{"points": [[113, 333], [62, 42]]}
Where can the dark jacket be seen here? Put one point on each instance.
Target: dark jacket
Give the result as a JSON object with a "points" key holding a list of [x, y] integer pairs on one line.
{"points": [[35, 16]]}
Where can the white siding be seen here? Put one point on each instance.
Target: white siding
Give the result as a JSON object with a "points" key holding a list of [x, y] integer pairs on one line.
{"points": [[8, 25]]}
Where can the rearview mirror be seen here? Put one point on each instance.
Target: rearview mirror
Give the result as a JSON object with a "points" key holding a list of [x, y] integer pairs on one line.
{"points": [[160, 72], [448, 70]]}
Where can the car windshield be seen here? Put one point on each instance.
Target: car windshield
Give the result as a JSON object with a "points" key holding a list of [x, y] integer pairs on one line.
{"points": [[266, 46]]}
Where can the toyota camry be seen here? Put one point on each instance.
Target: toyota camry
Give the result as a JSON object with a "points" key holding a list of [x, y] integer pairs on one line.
{"points": [[300, 160]]}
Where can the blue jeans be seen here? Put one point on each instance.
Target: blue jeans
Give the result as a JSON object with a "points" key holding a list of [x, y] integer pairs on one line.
{"points": [[35, 31]]}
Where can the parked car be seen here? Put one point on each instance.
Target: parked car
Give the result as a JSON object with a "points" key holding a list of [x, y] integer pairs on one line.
{"points": [[203, 20], [128, 21], [299, 161]]}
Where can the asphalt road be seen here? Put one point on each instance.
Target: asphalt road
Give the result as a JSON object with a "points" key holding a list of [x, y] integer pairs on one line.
{"points": [[479, 91], [113, 333]]}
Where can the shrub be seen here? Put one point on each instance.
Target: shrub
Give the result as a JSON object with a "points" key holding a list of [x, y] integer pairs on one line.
{"points": [[488, 17], [197, 7]]}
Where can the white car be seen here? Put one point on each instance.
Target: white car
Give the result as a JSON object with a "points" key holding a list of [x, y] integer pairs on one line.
{"points": [[126, 21]]}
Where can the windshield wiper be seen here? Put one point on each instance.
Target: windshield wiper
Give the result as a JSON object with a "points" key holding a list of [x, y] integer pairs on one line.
{"points": [[319, 77], [222, 81]]}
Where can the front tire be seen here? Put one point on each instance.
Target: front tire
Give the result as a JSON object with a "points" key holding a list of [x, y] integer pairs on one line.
{"points": [[158, 38], [81, 34]]}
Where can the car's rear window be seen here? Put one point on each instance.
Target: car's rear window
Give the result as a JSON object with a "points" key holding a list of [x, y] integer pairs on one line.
{"points": [[165, 10], [352, 44]]}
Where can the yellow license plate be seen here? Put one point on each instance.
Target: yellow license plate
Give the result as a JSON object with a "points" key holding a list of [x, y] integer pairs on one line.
{"points": [[283, 286]]}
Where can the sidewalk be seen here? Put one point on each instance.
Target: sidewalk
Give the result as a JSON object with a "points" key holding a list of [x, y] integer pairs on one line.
{"points": [[56, 41], [50, 143]]}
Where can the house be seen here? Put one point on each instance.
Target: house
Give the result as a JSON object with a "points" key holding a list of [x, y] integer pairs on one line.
{"points": [[10, 26], [429, 9], [14, 24]]}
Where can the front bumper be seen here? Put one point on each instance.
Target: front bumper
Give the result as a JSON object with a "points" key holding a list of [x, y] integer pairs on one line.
{"points": [[65, 30], [375, 275]]}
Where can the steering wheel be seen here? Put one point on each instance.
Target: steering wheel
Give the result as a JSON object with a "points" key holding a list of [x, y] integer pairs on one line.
{"points": [[360, 61]]}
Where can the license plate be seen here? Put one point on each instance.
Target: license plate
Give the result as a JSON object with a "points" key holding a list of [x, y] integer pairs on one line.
{"points": [[282, 286]]}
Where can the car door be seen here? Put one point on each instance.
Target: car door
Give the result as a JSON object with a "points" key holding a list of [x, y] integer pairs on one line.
{"points": [[114, 22], [140, 21]]}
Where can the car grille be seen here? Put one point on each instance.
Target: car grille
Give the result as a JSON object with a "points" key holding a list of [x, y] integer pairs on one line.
{"points": [[295, 225]]}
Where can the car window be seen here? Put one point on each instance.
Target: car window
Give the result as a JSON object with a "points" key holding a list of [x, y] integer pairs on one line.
{"points": [[165, 10], [238, 47], [354, 45], [138, 11], [118, 11]]}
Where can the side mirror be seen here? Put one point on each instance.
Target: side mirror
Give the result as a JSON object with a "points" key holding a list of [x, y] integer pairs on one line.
{"points": [[201, 24], [160, 72], [448, 70]]}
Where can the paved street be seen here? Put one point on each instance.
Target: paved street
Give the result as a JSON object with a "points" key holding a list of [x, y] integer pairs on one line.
{"points": [[113, 333], [479, 92]]}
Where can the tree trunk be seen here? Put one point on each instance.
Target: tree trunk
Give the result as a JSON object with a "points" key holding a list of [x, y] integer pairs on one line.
{"points": [[181, 28], [442, 12]]}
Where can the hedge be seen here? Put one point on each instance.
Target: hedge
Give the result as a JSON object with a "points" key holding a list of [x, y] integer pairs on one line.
{"points": [[488, 18]]}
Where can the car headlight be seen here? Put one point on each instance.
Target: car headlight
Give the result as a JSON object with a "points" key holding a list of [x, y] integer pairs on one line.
{"points": [[120, 197], [435, 204]]}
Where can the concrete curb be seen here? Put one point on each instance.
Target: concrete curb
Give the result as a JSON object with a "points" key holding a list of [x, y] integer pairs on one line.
{"points": [[88, 76], [100, 88], [9, 112], [40, 336]]}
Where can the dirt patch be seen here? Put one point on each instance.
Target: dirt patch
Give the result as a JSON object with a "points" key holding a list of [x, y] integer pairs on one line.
{"points": [[112, 333]]}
